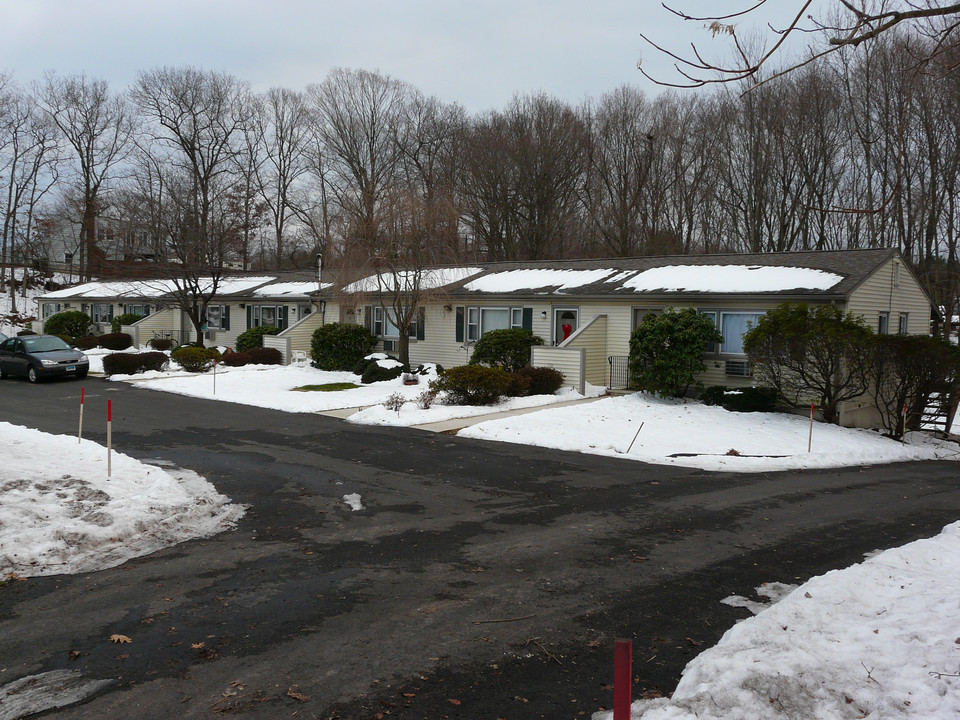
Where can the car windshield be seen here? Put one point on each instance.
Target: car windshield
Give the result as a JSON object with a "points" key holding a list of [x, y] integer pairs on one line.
{"points": [[44, 343]]}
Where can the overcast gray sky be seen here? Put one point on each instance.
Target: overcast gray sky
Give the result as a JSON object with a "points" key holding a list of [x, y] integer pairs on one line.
{"points": [[477, 53]]}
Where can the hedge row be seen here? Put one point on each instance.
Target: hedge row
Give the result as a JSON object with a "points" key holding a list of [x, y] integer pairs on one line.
{"points": [[133, 363]]}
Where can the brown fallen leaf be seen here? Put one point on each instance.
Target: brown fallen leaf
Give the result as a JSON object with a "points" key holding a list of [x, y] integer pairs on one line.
{"points": [[297, 696], [453, 701], [198, 645], [122, 657], [409, 695], [120, 639], [74, 654]]}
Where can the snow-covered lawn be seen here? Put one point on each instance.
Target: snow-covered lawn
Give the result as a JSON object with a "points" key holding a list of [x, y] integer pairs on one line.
{"points": [[60, 513], [674, 432], [678, 432], [876, 640], [275, 387]]}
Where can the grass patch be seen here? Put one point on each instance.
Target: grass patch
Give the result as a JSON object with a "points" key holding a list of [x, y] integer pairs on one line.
{"points": [[329, 387]]}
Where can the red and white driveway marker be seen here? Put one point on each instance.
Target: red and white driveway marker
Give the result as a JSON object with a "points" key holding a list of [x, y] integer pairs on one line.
{"points": [[109, 434], [80, 428]]}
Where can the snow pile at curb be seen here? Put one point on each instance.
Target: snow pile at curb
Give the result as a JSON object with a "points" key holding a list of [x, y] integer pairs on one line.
{"points": [[60, 513], [880, 640]]}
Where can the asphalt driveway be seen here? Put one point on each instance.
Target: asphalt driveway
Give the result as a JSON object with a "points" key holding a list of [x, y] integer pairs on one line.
{"points": [[480, 581]]}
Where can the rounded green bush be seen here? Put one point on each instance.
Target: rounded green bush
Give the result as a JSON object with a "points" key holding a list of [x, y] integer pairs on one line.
{"points": [[195, 359], [340, 346], [253, 338], [472, 385], [69, 322], [509, 349]]}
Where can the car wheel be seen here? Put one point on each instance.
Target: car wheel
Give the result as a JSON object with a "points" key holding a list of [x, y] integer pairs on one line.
{"points": [[32, 374], [3, 374], [81, 373]]}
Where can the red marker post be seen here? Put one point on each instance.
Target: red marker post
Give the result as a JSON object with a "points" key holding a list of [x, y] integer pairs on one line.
{"points": [[80, 428], [109, 434], [622, 678]]}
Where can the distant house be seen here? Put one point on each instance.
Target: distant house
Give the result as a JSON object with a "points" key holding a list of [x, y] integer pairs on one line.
{"points": [[284, 300]]}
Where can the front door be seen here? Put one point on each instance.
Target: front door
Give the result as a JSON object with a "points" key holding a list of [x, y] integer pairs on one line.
{"points": [[564, 323]]}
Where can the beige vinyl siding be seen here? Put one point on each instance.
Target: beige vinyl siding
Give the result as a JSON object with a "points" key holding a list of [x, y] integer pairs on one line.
{"points": [[301, 333], [592, 338], [879, 294], [439, 344], [162, 323], [568, 360]]}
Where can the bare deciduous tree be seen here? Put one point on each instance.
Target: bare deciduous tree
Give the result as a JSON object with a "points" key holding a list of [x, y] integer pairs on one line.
{"points": [[97, 125]]}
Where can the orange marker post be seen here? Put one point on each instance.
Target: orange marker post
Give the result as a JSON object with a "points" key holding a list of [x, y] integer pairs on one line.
{"points": [[80, 428], [109, 434]]}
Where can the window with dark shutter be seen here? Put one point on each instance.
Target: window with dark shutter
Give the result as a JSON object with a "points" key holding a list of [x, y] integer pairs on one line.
{"points": [[461, 311]]}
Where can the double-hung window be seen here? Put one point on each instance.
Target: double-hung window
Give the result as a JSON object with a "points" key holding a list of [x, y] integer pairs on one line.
{"points": [[883, 323], [102, 313], [49, 309], [275, 315], [481, 320], [902, 323], [732, 326], [218, 317], [379, 323]]}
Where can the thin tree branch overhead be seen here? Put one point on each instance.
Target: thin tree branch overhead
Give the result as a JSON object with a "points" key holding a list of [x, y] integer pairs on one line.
{"points": [[839, 24]]}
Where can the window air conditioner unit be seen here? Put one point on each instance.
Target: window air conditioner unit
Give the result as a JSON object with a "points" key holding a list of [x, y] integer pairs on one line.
{"points": [[389, 345], [738, 368]]}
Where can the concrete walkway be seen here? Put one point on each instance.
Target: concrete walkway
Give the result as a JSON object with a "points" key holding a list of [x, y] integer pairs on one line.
{"points": [[454, 424]]}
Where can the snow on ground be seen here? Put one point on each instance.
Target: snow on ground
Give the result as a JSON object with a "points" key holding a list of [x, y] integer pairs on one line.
{"points": [[880, 639], [677, 432], [353, 501], [272, 386], [60, 513]]}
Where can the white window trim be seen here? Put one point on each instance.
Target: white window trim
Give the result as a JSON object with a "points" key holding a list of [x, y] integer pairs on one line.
{"points": [[219, 325], [473, 329], [883, 323]]}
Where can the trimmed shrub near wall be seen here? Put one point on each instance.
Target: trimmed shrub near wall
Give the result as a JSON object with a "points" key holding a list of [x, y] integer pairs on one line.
{"points": [[747, 399], [265, 356], [508, 349], [125, 319], [195, 359], [253, 338], [115, 341], [340, 346], [133, 363], [236, 359], [87, 342], [375, 373], [160, 343], [472, 385], [542, 380], [69, 322]]}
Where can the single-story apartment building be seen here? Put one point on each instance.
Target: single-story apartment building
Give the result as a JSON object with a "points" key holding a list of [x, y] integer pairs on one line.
{"points": [[585, 310]]}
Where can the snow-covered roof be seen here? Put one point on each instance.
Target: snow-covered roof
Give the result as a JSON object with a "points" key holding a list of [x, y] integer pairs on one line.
{"points": [[670, 278], [730, 279], [429, 279], [157, 288], [279, 289], [513, 280]]}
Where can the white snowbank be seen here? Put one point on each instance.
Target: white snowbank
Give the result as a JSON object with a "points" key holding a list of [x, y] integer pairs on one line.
{"points": [[60, 513], [878, 640]]}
